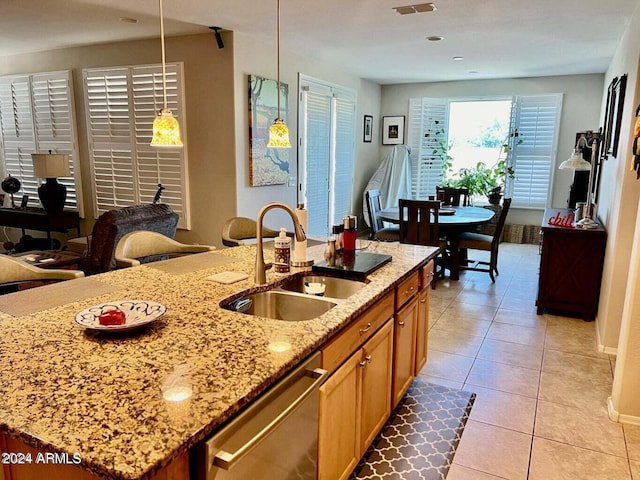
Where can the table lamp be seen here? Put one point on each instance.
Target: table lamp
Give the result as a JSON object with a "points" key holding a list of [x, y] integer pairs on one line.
{"points": [[576, 162], [51, 166]]}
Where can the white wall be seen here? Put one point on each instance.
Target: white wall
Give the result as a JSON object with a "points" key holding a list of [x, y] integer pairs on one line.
{"points": [[619, 315], [621, 191], [258, 56], [580, 111]]}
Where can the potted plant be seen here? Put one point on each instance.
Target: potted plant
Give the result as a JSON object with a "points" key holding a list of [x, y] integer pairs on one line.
{"points": [[485, 180]]}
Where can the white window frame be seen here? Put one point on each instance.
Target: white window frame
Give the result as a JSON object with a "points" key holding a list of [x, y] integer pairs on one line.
{"points": [[532, 154], [341, 103], [37, 115], [120, 105]]}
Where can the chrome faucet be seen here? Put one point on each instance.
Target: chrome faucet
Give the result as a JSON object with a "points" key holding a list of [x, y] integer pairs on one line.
{"points": [[261, 268]]}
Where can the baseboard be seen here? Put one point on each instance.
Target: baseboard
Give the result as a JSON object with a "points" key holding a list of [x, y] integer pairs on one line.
{"points": [[601, 347], [621, 418]]}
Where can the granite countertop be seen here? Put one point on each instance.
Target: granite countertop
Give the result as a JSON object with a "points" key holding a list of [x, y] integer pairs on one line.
{"points": [[66, 389]]}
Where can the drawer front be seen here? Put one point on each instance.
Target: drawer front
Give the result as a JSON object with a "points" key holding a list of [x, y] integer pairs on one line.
{"points": [[407, 289], [426, 274], [353, 336]]}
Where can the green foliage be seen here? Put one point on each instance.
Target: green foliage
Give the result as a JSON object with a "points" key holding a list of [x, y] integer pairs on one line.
{"points": [[486, 180]]}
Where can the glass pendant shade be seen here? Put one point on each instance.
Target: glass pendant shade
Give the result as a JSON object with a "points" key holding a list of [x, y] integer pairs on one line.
{"points": [[279, 135], [166, 130], [576, 162]]}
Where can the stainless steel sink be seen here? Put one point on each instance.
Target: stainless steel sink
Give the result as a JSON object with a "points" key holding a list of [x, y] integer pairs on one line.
{"points": [[321, 285], [280, 305]]}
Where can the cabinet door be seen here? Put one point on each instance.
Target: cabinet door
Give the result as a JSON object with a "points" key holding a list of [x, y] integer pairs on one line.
{"points": [[422, 331], [338, 432], [404, 349], [375, 366]]}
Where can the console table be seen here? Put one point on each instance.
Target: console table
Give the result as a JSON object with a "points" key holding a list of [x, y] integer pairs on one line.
{"points": [[37, 219], [570, 265]]}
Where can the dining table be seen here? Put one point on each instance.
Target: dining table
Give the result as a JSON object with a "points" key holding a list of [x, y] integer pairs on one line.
{"points": [[452, 221]]}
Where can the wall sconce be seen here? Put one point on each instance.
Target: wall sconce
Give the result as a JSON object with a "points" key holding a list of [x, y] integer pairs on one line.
{"points": [[51, 166], [576, 162]]}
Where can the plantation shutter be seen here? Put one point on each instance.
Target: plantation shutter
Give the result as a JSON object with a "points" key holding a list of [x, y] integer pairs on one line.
{"points": [[327, 143], [36, 115], [345, 108], [428, 131], [536, 118], [121, 104]]}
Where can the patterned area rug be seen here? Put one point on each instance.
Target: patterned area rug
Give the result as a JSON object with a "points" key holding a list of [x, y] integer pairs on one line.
{"points": [[421, 436]]}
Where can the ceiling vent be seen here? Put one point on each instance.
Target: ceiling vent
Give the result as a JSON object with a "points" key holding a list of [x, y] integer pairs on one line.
{"points": [[422, 7]]}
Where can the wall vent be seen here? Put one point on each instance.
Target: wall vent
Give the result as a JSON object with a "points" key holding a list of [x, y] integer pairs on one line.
{"points": [[422, 7]]}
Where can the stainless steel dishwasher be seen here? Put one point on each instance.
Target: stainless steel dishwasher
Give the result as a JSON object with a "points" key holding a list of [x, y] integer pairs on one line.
{"points": [[274, 438]]}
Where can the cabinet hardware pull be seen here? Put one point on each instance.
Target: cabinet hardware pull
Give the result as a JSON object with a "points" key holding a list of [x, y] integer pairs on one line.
{"points": [[430, 274], [365, 329], [423, 301], [401, 323], [367, 359]]}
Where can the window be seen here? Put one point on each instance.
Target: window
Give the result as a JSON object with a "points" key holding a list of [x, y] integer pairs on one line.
{"points": [[37, 115], [121, 104], [327, 139], [536, 119]]}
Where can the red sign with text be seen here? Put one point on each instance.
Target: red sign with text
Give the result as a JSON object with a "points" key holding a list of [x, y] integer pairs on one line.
{"points": [[558, 217]]}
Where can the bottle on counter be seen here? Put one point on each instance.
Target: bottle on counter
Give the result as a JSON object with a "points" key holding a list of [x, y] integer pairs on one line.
{"points": [[336, 234], [282, 252], [349, 234]]}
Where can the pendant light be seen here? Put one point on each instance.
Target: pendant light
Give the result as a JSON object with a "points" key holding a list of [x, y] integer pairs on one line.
{"points": [[166, 130], [279, 132]]}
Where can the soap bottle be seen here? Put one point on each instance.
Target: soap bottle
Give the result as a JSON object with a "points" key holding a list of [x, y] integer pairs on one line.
{"points": [[350, 234], [282, 249]]}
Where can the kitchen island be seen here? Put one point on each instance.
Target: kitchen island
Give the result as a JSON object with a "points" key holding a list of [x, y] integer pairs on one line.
{"points": [[101, 400]]}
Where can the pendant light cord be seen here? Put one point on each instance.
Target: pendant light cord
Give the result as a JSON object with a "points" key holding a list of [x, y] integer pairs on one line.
{"points": [[164, 69], [278, 53]]}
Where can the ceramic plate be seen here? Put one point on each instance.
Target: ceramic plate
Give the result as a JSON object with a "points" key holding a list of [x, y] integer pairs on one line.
{"points": [[447, 211], [138, 313]]}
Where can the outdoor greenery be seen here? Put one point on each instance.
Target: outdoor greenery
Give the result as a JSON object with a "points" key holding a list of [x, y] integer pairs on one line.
{"points": [[481, 179]]}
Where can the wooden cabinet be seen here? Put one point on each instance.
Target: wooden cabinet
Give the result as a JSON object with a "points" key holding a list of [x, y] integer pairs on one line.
{"points": [[374, 361], [422, 331], [354, 404], [404, 349], [571, 269]]}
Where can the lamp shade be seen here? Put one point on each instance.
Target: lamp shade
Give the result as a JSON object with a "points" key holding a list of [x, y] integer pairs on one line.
{"points": [[50, 165], [166, 130], [279, 135], [576, 162]]}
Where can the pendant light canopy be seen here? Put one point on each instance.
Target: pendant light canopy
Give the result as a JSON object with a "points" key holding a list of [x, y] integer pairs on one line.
{"points": [[166, 130], [279, 132]]}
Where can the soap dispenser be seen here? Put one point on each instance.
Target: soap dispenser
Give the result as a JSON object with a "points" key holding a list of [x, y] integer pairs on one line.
{"points": [[282, 249]]}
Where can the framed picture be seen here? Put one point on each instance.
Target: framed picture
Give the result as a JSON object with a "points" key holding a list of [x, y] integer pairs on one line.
{"points": [[368, 129], [393, 130], [267, 166], [613, 116]]}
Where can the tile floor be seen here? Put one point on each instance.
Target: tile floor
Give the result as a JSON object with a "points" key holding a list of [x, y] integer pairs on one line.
{"points": [[541, 384]]}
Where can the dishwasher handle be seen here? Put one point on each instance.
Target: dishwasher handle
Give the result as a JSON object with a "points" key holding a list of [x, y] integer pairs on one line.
{"points": [[226, 460]]}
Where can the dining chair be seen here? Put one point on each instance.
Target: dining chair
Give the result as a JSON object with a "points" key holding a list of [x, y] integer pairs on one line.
{"points": [[377, 230], [490, 243], [237, 229], [419, 225], [143, 244], [14, 272], [453, 196]]}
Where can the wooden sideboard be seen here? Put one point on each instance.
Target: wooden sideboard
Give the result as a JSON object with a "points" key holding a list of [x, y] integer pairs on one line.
{"points": [[571, 269], [37, 219]]}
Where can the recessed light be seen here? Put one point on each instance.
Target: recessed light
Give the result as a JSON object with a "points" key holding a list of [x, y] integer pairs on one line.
{"points": [[457, 59], [435, 38], [128, 20]]}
